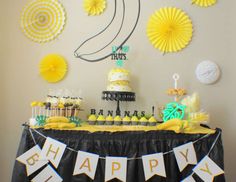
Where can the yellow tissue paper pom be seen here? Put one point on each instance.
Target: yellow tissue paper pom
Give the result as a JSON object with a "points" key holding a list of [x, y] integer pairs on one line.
{"points": [[94, 7], [53, 68], [169, 29], [204, 3]]}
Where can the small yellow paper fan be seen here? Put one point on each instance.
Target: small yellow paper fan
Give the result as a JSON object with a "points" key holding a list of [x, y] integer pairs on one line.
{"points": [[204, 3], [53, 68], [94, 7], [169, 29]]}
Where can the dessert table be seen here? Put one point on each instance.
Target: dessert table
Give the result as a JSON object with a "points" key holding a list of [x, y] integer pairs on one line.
{"points": [[131, 144]]}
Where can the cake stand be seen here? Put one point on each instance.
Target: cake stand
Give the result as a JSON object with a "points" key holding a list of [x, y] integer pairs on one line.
{"points": [[118, 96]]}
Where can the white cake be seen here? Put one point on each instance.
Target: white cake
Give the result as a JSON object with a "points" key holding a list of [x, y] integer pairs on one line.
{"points": [[119, 80]]}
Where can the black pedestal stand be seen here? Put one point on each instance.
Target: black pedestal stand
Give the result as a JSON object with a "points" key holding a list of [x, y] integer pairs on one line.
{"points": [[118, 96]]}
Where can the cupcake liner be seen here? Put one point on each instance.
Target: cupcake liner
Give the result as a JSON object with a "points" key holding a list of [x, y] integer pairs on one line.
{"points": [[117, 123], [109, 122], [92, 122], [100, 122], [144, 123], [134, 123], [152, 123], [126, 123]]}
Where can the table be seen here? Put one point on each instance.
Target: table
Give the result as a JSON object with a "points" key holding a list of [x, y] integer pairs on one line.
{"points": [[129, 144]]}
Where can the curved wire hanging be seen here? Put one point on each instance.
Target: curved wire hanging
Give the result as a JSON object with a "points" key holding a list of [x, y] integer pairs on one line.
{"points": [[113, 17], [119, 47], [120, 28]]}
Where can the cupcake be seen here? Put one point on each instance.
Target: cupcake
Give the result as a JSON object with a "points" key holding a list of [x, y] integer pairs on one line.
{"points": [[92, 119], [143, 121], [134, 120], [126, 120], [152, 121], [101, 120], [109, 120], [117, 120]]}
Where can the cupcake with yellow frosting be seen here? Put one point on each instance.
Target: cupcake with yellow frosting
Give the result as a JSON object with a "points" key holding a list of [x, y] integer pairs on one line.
{"points": [[143, 121], [101, 120], [117, 120], [109, 120], [152, 121], [126, 120], [134, 120], [92, 119]]}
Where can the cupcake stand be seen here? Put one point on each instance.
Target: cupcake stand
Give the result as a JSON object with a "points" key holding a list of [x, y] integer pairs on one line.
{"points": [[118, 97]]}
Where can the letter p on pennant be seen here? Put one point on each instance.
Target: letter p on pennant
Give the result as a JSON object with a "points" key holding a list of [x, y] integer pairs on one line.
{"points": [[153, 165]]}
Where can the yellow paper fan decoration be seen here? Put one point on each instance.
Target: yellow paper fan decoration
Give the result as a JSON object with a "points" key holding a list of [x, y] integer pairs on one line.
{"points": [[43, 20], [94, 7], [169, 29], [53, 68], [204, 3]]}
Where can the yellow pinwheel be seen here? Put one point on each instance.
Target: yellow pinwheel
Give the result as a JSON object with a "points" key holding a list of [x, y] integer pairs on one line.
{"points": [[204, 3], [53, 68], [169, 29], [94, 7], [43, 20]]}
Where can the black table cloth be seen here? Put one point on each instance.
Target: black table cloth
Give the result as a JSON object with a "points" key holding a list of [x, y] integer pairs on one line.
{"points": [[130, 144]]}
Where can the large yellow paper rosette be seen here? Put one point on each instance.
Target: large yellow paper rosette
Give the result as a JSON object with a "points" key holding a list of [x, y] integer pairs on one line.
{"points": [[204, 3], [43, 20], [53, 68], [94, 7], [169, 29]]}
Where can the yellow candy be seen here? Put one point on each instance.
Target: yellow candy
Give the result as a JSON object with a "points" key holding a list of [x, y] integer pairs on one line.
{"points": [[61, 106], [40, 104], [33, 104]]}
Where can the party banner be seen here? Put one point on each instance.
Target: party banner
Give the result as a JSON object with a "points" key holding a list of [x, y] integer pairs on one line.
{"points": [[185, 154], [32, 160], [189, 179], [153, 165], [86, 163], [48, 174], [53, 151], [207, 169], [116, 167]]}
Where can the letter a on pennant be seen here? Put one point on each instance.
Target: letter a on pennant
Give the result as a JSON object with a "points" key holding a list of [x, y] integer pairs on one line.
{"points": [[47, 175], [185, 154], [153, 165], [32, 160], [207, 169], [86, 163], [53, 151], [116, 167]]}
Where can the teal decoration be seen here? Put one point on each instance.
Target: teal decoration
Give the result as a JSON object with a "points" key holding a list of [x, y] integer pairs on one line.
{"points": [[173, 110], [75, 120], [41, 120], [125, 49], [120, 63]]}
